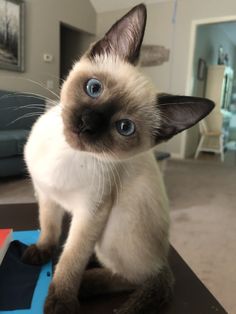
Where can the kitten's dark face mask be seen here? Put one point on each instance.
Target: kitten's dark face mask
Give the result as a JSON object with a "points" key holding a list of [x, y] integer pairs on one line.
{"points": [[104, 115], [109, 107]]}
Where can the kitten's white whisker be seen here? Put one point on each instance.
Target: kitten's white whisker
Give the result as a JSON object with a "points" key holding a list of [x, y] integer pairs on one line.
{"points": [[14, 94], [56, 77], [108, 172], [119, 162], [50, 91], [31, 106], [114, 178], [118, 175], [109, 180], [103, 180], [27, 115], [99, 180], [35, 82], [94, 174], [27, 95]]}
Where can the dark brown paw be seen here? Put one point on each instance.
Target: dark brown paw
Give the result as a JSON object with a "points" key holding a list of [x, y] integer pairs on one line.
{"points": [[63, 303], [35, 256]]}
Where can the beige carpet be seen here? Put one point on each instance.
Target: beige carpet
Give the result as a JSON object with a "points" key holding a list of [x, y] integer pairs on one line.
{"points": [[203, 211]]}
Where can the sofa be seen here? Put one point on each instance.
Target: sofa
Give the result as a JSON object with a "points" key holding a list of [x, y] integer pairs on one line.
{"points": [[18, 112]]}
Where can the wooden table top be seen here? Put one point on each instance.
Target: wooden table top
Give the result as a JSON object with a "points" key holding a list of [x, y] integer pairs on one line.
{"points": [[190, 294]]}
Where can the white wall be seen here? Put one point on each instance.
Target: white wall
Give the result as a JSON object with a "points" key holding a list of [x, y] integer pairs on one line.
{"points": [[159, 28], [42, 34]]}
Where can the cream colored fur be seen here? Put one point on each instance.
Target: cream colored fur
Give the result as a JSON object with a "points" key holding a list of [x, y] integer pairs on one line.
{"points": [[119, 207], [82, 161]]}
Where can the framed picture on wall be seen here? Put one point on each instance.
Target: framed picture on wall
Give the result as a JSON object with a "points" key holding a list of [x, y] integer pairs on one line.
{"points": [[12, 35], [201, 71]]}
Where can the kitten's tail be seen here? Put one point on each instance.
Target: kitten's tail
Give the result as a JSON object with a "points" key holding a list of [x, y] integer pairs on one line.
{"points": [[152, 295]]}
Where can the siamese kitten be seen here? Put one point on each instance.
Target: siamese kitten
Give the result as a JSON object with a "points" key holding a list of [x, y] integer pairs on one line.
{"points": [[91, 156]]}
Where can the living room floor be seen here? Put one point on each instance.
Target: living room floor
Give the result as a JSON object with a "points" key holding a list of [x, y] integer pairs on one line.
{"points": [[202, 200], [16, 190], [203, 213]]}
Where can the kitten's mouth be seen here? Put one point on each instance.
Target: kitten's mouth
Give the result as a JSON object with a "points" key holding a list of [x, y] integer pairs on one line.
{"points": [[83, 139], [75, 138]]}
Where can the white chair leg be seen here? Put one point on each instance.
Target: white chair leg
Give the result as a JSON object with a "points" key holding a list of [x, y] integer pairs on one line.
{"points": [[199, 147], [222, 149]]}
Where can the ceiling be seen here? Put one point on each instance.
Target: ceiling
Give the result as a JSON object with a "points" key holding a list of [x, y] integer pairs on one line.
{"points": [[112, 5]]}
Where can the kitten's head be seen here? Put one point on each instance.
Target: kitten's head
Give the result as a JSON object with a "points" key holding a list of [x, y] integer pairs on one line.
{"points": [[109, 107]]}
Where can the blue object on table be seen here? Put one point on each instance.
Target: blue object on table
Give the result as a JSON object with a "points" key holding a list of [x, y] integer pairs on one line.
{"points": [[41, 290]]}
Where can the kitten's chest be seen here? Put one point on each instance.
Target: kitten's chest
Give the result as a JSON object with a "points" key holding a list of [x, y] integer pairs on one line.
{"points": [[57, 169], [68, 172], [71, 181]]}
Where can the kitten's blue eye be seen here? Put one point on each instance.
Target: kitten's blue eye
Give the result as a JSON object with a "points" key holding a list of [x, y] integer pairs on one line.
{"points": [[125, 127], [94, 88]]}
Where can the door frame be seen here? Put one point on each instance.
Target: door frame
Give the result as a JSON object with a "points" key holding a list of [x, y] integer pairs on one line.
{"points": [[190, 69]]}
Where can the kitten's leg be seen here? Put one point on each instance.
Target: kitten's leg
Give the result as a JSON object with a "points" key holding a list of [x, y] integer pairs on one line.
{"points": [[151, 295], [101, 281], [50, 218], [84, 232]]}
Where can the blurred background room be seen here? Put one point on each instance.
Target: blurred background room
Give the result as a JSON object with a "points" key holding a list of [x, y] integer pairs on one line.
{"points": [[189, 48]]}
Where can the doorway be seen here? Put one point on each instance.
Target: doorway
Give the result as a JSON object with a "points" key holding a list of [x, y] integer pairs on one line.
{"points": [[213, 65], [73, 44]]}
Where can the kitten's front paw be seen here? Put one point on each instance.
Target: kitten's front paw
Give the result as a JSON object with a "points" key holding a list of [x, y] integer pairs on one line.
{"points": [[60, 303], [33, 255]]}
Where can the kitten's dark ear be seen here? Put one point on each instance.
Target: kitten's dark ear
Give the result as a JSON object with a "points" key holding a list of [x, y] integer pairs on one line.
{"points": [[178, 113], [125, 37]]}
